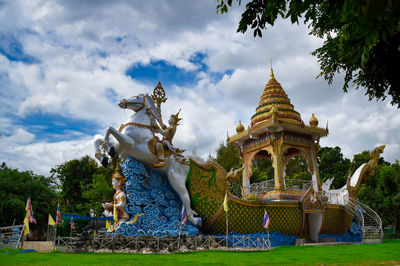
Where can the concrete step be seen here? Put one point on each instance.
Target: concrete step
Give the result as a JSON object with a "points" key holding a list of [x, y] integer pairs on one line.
{"points": [[39, 246]]}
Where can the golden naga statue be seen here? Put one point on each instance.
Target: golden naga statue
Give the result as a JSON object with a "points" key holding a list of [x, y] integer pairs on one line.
{"points": [[367, 169]]}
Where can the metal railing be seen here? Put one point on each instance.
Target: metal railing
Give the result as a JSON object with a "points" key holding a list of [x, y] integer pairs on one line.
{"points": [[341, 198], [258, 189], [11, 238], [148, 244], [371, 223]]}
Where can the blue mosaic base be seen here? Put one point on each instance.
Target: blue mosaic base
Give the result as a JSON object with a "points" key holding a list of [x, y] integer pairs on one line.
{"points": [[353, 235], [150, 193]]}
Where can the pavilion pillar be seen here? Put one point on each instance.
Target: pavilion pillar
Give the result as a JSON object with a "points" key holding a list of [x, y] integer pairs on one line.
{"points": [[247, 172], [316, 182], [277, 161]]}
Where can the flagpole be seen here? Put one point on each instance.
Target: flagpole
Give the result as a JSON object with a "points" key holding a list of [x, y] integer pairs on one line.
{"points": [[55, 236], [179, 235], [227, 230]]}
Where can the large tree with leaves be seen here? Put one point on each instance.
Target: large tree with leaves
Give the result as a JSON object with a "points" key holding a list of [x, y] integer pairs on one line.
{"points": [[16, 187], [382, 192], [332, 164], [361, 37], [84, 185]]}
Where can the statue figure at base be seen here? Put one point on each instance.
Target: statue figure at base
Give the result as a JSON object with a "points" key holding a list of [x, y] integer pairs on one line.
{"points": [[119, 203]]}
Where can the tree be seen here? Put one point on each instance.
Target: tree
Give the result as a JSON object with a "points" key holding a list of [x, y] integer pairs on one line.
{"points": [[82, 184], [331, 163], [296, 168], [16, 187], [262, 170], [228, 156], [362, 38], [382, 193], [389, 188]]}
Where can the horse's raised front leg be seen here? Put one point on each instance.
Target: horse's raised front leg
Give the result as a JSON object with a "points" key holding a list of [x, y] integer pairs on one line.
{"points": [[124, 141], [98, 153]]}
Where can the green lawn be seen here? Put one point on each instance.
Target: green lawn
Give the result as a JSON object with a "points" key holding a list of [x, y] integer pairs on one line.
{"points": [[386, 253]]}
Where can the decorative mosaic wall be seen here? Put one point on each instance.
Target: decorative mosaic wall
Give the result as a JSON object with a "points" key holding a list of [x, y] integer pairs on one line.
{"points": [[150, 193], [249, 219], [207, 191], [336, 221]]}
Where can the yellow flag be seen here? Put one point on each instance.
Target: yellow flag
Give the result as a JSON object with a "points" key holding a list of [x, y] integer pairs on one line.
{"points": [[226, 202], [107, 224], [26, 222], [115, 214], [51, 221], [27, 204]]}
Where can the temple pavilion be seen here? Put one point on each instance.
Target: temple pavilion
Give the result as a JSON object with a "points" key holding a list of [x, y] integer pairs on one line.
{"points": [[277, 133]]}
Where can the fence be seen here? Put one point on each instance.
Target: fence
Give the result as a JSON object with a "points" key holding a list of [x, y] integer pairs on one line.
{"points": [[258, 189], [149, 244], [11, 236]]}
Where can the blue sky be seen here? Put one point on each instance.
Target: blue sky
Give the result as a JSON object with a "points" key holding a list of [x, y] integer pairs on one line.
{"points": [[65, 64]]}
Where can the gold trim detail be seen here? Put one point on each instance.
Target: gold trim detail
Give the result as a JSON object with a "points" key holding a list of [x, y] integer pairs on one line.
{"points": [[133, 124]]}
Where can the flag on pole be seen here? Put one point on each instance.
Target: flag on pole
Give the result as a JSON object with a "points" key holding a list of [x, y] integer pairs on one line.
{"points": [[51, 221], [58, 215], [29, 211], [26, 222], [183, 215], [72, 223], [115, 214], [226, 202], [107, 224], [266, 219]]}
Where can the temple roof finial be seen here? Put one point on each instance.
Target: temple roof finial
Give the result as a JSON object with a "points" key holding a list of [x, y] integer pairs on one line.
{"points": [[272, 71]]}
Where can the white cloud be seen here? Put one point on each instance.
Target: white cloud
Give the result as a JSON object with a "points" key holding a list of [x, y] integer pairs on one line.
{"points": [[85, 47], [40, 157]]}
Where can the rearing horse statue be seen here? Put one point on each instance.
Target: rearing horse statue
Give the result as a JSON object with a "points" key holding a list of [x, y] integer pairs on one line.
{"points": [[132, 139]]}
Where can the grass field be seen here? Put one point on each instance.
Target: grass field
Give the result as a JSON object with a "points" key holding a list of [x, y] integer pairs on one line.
{"points": [[387, 253]]}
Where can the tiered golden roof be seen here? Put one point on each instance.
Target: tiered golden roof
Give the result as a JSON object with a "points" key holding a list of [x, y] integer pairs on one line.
{"points": [[275, 96], [275, 107]]}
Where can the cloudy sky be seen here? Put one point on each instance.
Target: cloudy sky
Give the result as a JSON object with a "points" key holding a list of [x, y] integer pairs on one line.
{"points": [[65, 64]]}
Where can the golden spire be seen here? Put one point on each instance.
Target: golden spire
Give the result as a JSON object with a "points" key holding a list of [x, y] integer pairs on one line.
{"points": [[274, 95], [272, 72]]}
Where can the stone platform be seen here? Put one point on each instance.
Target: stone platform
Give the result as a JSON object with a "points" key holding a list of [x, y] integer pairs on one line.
{"points": [[39, 246]]}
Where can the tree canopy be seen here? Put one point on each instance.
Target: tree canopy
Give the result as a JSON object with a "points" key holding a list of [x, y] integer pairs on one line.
{"points": [[382, 193], [84, 185], [361, 38], [15, 189], [332, 164]]}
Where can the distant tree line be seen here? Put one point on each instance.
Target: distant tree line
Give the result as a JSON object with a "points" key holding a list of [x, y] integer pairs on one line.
{"points": [[77, 185], [81, 184]]}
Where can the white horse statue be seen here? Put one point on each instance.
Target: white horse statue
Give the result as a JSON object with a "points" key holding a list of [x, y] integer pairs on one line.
{"points": [[132, 139]]}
